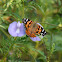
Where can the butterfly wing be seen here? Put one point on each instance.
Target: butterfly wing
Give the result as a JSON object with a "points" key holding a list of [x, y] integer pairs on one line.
{"points": [[33, 29]]}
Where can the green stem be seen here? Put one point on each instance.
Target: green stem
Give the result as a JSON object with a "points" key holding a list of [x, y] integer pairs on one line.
{"points": [[50, 24], [5, 33], [23, 9], [50, 53], [37, 44], [60, 55], [2, 26]]}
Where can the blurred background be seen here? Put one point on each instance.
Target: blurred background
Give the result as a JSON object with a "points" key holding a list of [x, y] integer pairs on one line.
{"points": [[22, 49]]}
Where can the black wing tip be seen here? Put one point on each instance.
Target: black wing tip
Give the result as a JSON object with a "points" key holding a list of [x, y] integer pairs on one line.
{"points": [[44, 33]]}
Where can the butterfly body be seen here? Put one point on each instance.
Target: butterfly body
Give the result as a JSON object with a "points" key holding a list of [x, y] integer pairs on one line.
{"points": [[33, 29]]}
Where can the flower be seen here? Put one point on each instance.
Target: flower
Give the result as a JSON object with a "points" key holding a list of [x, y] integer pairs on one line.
{"points": [[16, 29]]}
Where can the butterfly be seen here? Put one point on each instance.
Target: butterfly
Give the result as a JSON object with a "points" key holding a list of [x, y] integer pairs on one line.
{"points": [[33, 29]]}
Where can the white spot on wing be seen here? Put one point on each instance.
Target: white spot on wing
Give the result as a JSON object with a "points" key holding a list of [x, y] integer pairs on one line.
{"points": [[26, 20], [45, 31], [42, 30]]}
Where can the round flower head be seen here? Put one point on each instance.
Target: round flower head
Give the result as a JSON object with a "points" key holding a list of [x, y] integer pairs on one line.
{"points": [[16, 29]]}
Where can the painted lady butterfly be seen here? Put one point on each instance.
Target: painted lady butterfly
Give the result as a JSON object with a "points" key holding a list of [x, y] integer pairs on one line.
{"points": [[33, 29]]}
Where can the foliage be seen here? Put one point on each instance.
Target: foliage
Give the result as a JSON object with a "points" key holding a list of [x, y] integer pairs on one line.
{"points": [[17, 49]]}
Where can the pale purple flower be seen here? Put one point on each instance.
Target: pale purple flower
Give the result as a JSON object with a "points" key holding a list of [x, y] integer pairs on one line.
{"points": [[16, 29]]}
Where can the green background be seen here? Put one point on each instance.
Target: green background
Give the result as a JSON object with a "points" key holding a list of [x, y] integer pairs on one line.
{"points": [[19, 49]]}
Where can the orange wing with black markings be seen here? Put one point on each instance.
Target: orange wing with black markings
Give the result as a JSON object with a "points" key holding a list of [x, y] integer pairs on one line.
{"points": [[32, 28]]}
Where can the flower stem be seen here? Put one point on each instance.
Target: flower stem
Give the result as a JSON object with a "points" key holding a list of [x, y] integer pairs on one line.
{"points": [[5, 33], [37, 44]]}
